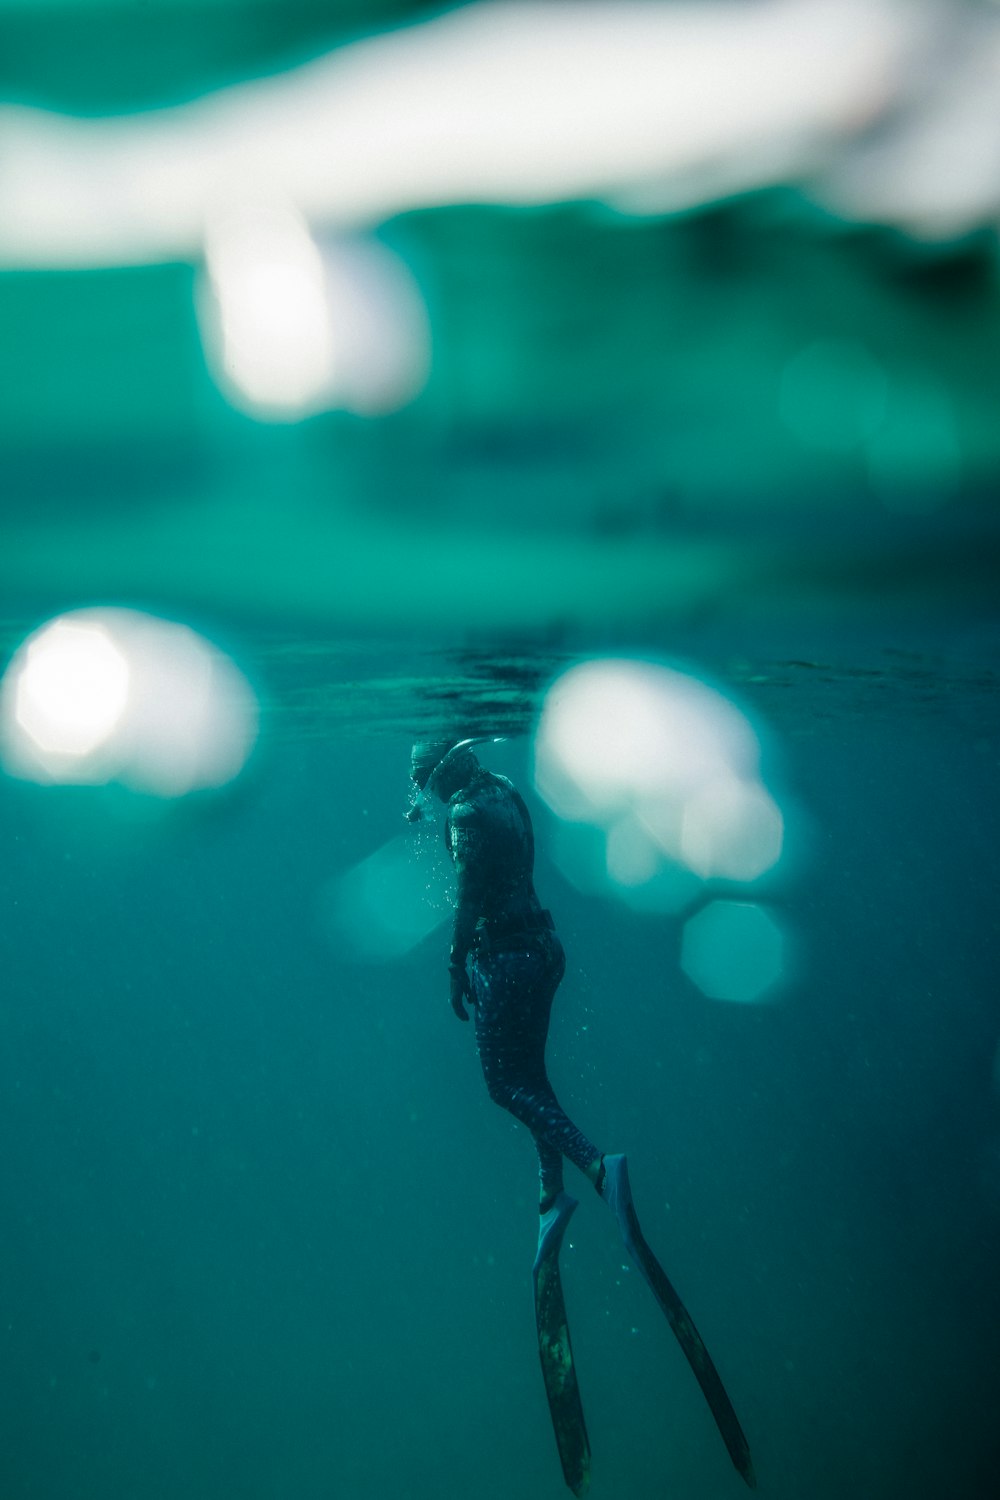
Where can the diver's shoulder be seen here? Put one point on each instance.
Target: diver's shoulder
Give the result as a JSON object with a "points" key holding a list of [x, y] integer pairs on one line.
{"points": [[486, 789]]}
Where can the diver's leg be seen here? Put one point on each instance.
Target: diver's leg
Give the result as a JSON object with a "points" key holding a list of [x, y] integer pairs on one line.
{"points": [[507, 990], [550, 1174], [513, 993], [532, 1101], [525, 1092]]}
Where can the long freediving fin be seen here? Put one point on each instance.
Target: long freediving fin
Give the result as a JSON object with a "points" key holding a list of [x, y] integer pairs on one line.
{"points": [[555, 1350], [617, 1193]]}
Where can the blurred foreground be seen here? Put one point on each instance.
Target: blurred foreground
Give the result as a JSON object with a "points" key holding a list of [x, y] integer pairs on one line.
{"points": [[520, 316]]}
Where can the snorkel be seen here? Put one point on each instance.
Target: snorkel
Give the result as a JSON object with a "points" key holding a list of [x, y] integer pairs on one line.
{"points": [[420, 806], [429, 760]]}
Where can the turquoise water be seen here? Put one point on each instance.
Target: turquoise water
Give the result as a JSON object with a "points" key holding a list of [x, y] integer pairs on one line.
{"points": [[266, 1237]]}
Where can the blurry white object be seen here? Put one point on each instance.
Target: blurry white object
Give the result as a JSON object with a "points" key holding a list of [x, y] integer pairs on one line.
{"points": [[666, 765], [291, 328], [648, 106], [70, 689], [933, 167], [103, 695]]}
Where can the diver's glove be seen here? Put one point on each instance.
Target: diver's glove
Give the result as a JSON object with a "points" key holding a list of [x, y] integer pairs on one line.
{"points": [[461, 990]]}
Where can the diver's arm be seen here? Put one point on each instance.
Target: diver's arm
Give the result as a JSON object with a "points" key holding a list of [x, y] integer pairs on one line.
{"points": [[461, 941], [466, 845], [463, 845], [462, 932], [460, 987]]}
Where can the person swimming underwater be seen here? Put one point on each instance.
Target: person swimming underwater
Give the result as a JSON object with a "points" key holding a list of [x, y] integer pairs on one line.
{"points": [[505, 956], [507, 961]]}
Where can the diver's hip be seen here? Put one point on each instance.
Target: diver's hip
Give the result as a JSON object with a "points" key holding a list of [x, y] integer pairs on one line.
{"points": [[512, 928]]}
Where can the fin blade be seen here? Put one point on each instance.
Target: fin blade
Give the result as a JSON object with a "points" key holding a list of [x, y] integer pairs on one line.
{"points": [[695, 1351], [555, 1352], [618, 1194]]}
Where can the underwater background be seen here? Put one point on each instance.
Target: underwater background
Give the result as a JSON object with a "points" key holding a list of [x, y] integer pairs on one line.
{"points": [[690, 360], [266, 1235]]}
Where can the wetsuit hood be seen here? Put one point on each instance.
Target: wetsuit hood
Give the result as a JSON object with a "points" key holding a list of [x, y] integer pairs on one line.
{"points": [[425, 757], [429, 758]]}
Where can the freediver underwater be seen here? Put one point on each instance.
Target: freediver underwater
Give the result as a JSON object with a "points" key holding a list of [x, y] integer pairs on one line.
{"points": [[506, 961]]}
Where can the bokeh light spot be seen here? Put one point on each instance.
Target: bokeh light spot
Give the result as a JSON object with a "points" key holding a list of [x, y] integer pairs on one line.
{"points": [[732, 830], [733, 950], [71, 689], [632, 857], [115, 695], [270, 334], [388, 903], [293, 327], [666, 766], [586, 855]]}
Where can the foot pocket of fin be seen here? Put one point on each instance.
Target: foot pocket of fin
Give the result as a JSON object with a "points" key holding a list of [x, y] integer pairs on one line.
{"points": [[552, 1226]]}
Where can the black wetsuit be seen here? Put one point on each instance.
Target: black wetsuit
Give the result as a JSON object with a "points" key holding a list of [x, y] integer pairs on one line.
{"points": [[516, 964]]}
